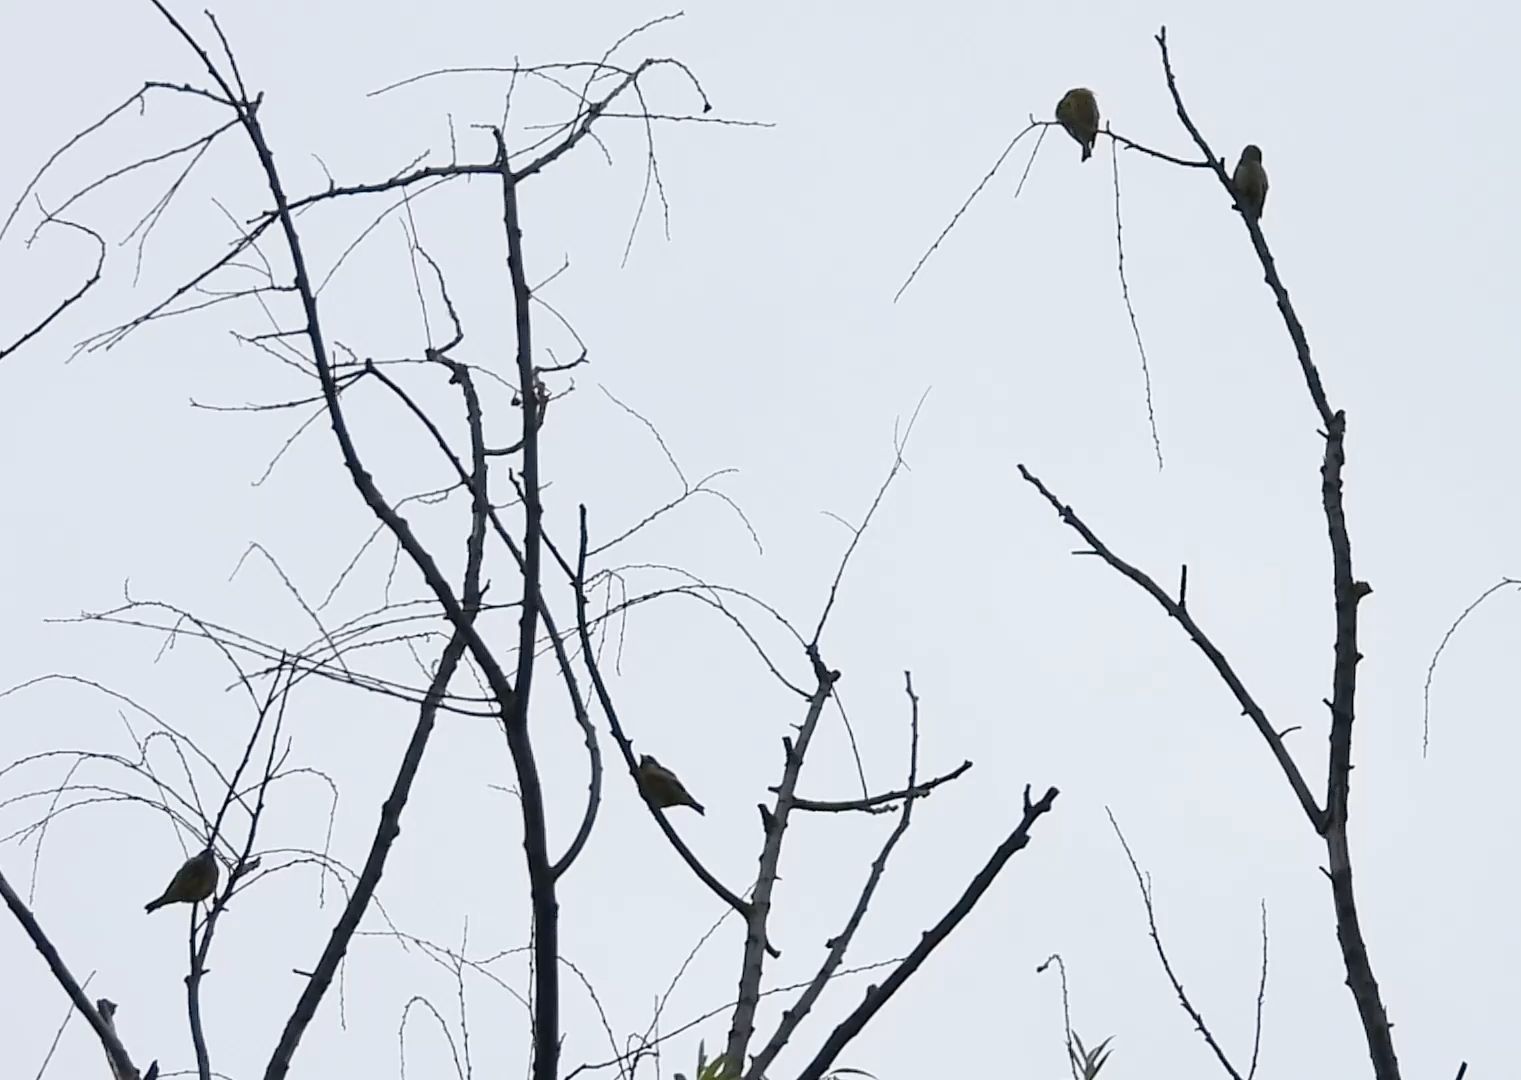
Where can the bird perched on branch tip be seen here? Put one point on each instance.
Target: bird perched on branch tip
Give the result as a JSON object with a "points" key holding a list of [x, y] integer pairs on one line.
{"points": [[1078, 112], [192, 882], [1251, 182], [662, 787]]}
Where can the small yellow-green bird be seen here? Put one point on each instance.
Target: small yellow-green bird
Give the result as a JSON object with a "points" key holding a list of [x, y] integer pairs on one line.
{"points": [[1078, 112], [1251, 182], [662, 787], [192, 883]]}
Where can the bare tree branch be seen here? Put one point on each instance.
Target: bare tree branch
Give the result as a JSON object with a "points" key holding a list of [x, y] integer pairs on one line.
{"points": [[1348, 592], [1156, 939], [875, 803], [878, 996], [625, 745], [1216, 658], [838, 944], [742, 1025], [121, 1061]]}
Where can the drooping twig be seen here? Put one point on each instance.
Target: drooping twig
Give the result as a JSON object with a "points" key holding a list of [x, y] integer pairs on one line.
{"points": [[1442, 647], [1135, 327], [1067, 1035], [69, 301]]}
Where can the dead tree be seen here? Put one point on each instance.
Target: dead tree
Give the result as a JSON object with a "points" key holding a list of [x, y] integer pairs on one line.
{"points": [[493, 508], [1327, 813]]}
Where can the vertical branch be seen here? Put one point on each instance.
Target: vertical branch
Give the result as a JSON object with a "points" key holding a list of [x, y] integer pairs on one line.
{"points": [[752, 965], [1347, 592], [200, 943], [837, 946], [461, 619], [541, 876], [1261, 997]]}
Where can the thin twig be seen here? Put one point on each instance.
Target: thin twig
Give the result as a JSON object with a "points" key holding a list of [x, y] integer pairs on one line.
{"points": [[1442, 647], [1135, 328], [1061, 970], [1156, 940], [1261, 998], [837, 945], [875, 803]]}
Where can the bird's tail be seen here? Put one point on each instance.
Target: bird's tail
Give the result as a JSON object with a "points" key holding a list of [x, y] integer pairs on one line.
{"points": [[1087, 151], [695, 805], [154, 905]]}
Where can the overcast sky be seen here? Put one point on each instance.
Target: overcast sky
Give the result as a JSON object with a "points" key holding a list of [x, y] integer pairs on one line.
{"points": [[756, 331]]}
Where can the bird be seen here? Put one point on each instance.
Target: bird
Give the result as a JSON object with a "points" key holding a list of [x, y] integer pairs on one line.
{"points": [[661, 786], [1251, 182], [1078, 112], [192, 882]]}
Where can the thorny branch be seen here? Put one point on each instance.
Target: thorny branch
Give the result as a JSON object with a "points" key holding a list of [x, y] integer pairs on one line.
{"points": [[837, 946], [878, 996], [774, 820], [1347, 593], [1347, 590], [1249, 706]]}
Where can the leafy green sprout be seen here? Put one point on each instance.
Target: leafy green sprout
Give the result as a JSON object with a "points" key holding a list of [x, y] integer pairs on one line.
{"points": [[1089, 1061], [719, 1069]]}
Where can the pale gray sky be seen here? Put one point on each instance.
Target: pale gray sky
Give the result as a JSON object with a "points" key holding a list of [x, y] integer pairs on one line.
{"points": [[762, 336]]}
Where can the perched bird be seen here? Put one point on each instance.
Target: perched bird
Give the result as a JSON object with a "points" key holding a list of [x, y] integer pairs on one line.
{"points": [[1078, 112], [192, 883], [1251, 182], [662, 787]]}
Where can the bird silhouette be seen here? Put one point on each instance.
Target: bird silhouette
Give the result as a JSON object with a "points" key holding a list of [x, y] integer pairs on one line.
{"points": [[1251, 182], [1078, 112], [662, 786], [192, 882]]}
